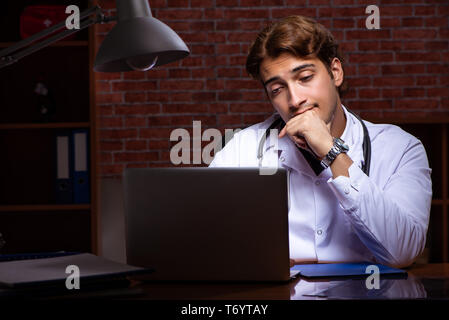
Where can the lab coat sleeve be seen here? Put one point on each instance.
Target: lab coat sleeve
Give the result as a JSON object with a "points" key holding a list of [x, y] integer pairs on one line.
{"points": [[391, 220], [229, 155]]}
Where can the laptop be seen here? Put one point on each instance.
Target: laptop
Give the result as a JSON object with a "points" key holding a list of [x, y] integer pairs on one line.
{"points": [[211, 224]]}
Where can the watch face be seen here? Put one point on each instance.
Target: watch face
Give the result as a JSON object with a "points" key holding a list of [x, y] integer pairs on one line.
{"points": [[342, 144]]}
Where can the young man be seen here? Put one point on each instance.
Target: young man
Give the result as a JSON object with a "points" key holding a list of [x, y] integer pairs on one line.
{"points": [[339, 212]]}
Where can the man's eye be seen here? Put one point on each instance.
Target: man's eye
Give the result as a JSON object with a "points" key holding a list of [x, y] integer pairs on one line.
{"points": [[275, 91], [307, 78]]}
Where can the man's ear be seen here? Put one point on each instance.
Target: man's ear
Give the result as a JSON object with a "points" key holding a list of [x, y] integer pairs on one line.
{"points": [[337, 71]]}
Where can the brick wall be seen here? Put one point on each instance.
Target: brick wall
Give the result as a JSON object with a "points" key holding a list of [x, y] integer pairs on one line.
{"points": [[401, 70]]}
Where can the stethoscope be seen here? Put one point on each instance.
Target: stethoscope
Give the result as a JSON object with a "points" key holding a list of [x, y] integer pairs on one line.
{"points": [[366, 142]]}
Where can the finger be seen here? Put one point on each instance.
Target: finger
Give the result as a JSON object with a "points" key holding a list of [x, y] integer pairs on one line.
{"points": [[283, 132], [292, 263]]}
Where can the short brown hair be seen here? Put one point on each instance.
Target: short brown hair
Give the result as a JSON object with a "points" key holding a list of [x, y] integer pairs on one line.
{"points": [[297, 35]]}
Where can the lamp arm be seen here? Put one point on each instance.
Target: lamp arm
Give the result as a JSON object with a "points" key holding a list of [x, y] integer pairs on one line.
{"points": [[7, 57]]}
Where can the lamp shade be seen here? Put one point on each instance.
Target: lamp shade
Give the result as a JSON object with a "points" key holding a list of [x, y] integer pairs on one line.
{"points": [[138, 41]]}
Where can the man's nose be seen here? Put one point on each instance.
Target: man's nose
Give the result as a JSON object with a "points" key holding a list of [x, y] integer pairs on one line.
{"points": [[295, 98]]}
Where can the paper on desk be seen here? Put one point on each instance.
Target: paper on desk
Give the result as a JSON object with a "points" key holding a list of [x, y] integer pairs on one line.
{"points": [[48, 270]]}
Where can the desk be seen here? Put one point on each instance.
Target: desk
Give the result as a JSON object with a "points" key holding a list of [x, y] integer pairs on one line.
{"points": [[430, 281]]}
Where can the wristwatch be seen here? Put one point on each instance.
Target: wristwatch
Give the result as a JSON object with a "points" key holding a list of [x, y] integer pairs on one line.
{"points": [[339, 147]]}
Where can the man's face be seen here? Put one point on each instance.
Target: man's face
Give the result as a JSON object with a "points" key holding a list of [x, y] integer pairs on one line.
{"points": [[296, 85]]}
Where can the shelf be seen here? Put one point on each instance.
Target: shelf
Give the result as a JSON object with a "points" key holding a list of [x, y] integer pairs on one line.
{"points": [[48, 125], [74, 43], [45, 207]]}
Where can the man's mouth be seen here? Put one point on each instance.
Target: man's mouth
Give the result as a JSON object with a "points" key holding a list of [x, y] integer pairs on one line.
{"points": [[305, 108]]}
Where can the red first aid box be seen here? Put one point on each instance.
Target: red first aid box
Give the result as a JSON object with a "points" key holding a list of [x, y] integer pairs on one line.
{"points": [[37, 18]]}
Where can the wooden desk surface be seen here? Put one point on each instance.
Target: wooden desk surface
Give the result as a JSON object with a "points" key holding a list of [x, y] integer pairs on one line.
{"points": [[424, 281]]}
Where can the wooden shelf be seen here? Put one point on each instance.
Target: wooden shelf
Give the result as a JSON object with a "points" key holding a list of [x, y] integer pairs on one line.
{"points": [[47, 125], [74, 43], [45, 207]]}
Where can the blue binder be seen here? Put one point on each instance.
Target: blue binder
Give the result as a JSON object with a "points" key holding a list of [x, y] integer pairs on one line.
{"points": [[343, 270], [81, 185], [63, 184]]}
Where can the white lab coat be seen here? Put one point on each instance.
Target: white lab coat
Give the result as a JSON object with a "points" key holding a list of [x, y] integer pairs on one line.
{"points": [[382, 218]]}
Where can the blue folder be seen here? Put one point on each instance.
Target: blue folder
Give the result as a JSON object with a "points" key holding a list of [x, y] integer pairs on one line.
{"points": [[327, 270]]}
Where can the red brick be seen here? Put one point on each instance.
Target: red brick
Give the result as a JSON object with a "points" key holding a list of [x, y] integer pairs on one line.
{"points": [[179, 73], [418, 57], [135, 122], [438, 92], [109, 98], [192, 62], [111, 145], [159, 133], [203, 96], [227, 3], [438, 68], [158, 144], [137, 109], [181, 120], [181, 96], [424, 10], [343, 23], [136, 145], [242, 84], [281, 13], [414, 34], [102, 86], [414, 92], [367, 34], [213, 61], [156, 96], [242, 36], [250, 107], [134, 86], [184, 108], [135, 156], [229, 72], [225, 119], [216, 37], [419, 104], [412, 22], [391, 93], [369, 93], [249, 119], [368, 70], [402, 11], [218, 108], [246, 14], [110, 122], [228, 49], [393, 81], [156, 73], [116, 134], [426, 80], [181, 84], [371, 104], [413, 45], [214, 84], [229, 96], [178, 3], [193, 37], [135, 97], [202, 49], [159, 121], [368, 45], [134, 75], [203, 73], [213, 13], [371, 57], [185, 14]]}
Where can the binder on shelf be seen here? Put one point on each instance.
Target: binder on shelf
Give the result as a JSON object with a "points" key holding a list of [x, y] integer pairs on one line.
{"points": [[64, 185], [81, 185]]}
